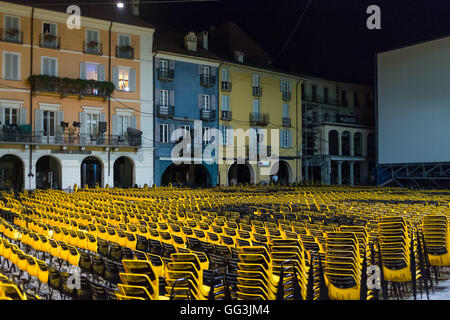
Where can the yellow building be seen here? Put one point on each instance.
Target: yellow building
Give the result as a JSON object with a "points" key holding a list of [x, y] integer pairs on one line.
{"points": [[60, 124], [267, 102]]}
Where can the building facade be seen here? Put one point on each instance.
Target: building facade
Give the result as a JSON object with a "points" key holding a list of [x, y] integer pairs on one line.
{"points": [[266, 105], [186, 103], [76, 105], [338, 132]]}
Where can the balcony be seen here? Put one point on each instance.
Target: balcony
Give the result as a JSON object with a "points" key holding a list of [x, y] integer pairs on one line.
{"points": [[11, 35], [165, 74], [259, 119], [68, 86], [165, 111], [226, 86], [325, 100], [93, 47], [286, 96], [286, 122], [21, 135], [49, 41], [207, 115], [207, 80], [225, 115], [257, 91], [125, 52]]}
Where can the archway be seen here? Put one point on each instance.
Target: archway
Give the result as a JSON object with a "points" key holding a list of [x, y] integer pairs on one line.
{"points": [[11, 173], [345, 172], [48, 173], [283, 174], [91, 172], [195, 175], [123, 173], [357, 173], [239, 173], [371, 145], [333, 143], [345, 140]]}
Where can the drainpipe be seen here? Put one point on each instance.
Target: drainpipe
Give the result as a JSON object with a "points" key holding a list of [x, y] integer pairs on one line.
{"points": [[109, 102], [30, 174], [218, 119], [154, 115], [296, 128]]}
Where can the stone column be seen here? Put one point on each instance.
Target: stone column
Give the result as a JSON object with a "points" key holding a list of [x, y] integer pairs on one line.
{"points": [[352, 163], [339, 172]]}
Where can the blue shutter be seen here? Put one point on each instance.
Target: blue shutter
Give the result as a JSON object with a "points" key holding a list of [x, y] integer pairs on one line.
{"points": [[157, 63], [115, 77], [132, 80], [101, 72], [23, 116], [213, 102], [171, 98], [157, 97], [199, 100], [82, 70]]}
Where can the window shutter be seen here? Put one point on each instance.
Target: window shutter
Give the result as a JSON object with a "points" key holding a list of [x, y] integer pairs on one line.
{"points": [[213, 102], [200, 70], [281, 138], [171, 130], [199, 100], [83, 121], [282, 85], [171, 64], [171, 98], [134, 122], [83, 70], [60, 117], [132, 80], [45, 66], [255, 106], [290, 138], [115, 124], [230, 135], [102, 117], [53, 29], [7, 65], [38, 118], [290, 86], [213, 71], [115, 77], [53, 67], [157, 93], [157, 63], [256, 80], [157, 133], [101, 72], [225, 105], [15, 67]]}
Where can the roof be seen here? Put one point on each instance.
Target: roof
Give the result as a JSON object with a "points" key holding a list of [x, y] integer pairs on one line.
{"points": [[102, 11]]}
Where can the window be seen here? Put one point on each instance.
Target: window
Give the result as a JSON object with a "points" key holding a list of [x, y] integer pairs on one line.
{"points": [[325, 95], [164, 97], [12, 28], [164, 65], [164, 133], [256, 106], [92, 120], [285, 110], [225, 103], [205, 71], [225, 76], [11, 116], [49, 28], [92, 71], [286, 138], [49, 66], [314, 92], [92, 36], [355, 100], [206, 135], [124, 40], [186, 131], [49, 123], [344, 98], [206, 102], [123, 123], [256, 80], [284, 86], [11, 66], [124, 76], [225, 130]]}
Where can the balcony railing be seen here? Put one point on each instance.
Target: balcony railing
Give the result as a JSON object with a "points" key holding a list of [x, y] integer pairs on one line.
{"points": [[11, 35], [325, 100], [16, 135], [207, 115], [259, 119], [125, 52], [207, 80], [226, 86], [257, 91], [165, 111], [286, 122], [93, 47], [50, 41], [286, 96], [66, 86], [165, 74], [225, 115]]}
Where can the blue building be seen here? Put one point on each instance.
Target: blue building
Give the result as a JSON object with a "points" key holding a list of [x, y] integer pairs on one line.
{"points": [[186, 96]]}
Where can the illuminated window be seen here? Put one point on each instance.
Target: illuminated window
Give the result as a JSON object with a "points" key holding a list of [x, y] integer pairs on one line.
{"points": [[124, 75]]}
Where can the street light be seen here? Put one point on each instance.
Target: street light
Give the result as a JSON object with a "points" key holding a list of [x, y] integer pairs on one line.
{"points": [[119, 4]]}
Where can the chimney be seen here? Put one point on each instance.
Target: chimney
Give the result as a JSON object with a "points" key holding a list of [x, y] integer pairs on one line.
{"points": [[135, 7], [203, 39], [190, 41], [239, 56]]}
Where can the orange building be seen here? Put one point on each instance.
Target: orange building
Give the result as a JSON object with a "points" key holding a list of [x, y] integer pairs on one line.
{"points": [[76, 105]]}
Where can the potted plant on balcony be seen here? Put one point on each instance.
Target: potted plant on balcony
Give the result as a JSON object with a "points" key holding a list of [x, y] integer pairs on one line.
{"points": [[92, 44], [12, 32], [49, 37]]}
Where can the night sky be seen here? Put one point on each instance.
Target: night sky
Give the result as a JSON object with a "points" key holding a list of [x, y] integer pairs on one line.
{"points": [[331, 41]]}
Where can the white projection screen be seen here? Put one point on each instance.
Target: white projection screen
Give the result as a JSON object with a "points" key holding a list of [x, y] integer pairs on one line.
{"points": [[413, 93]]}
